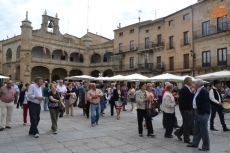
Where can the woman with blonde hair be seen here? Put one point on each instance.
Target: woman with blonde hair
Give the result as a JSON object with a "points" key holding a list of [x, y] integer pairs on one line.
{"points": [[69, 106], [168, 106]]}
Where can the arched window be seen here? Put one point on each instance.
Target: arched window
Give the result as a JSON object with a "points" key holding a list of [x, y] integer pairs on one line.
{"points": [[9, 54], [18, 51]]}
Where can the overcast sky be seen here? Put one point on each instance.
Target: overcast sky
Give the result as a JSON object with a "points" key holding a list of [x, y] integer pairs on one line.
{"points": [[104, 15]]}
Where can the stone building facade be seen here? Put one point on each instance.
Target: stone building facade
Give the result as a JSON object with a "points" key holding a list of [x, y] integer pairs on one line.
{"points": [[211, 36], [49, 54]]}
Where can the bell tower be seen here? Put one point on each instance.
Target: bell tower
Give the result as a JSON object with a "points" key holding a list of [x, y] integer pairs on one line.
{"points": [[50, 24], [25, 53]]}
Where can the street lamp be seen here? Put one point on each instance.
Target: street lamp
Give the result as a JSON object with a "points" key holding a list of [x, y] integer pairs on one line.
{"points": [[193, 61]]}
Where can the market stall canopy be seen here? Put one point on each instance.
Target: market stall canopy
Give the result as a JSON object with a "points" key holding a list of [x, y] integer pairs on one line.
{"points": [[135, 76], [166, 77], [84, 77], [4, 77], [102, 78], [216, 75], [116, 78]]}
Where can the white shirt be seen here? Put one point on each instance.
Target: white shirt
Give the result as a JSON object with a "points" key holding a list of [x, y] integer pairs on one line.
{"points": [[33, 91], [194, 99], [61, 88], [25, 98], [212, 97]]}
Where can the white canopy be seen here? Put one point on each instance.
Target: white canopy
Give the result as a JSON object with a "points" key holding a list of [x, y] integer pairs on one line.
{"points": [[84, 77], [166, 77], [3, 77], [116, 78], [216, 75], [102, 78], [135, 76]]}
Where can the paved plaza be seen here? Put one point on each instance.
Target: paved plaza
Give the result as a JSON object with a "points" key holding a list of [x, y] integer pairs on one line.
{"points": [[75, 134]]}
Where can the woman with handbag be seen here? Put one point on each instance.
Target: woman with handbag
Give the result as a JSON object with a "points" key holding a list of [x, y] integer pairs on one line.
{"points": [[168, 106], [142, 100], [118, 98], [69, 106], [54, 100], [152, 102]]}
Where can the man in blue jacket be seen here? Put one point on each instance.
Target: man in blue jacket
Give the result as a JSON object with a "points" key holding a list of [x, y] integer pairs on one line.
{"points": [[201, 109]]}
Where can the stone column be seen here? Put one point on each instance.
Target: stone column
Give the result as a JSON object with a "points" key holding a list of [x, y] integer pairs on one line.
{"points": [[50, 78]]}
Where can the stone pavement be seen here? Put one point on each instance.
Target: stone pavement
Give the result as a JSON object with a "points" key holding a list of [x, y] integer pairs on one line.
{"points": [[75, 134]]}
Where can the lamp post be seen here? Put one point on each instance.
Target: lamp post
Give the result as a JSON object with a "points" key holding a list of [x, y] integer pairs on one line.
{"points": [[193, 61]]}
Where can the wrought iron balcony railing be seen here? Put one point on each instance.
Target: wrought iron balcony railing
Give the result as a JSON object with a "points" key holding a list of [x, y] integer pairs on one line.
{"points": [[214, 61], [147, 67], [211, 30], [124, 67], [185, 42], [170, 46]]}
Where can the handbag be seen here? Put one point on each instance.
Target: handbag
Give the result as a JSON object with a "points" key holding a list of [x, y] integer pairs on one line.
{"points": [[61, 104], [72, 98], [119, 102], [151, 112], [81, 103], [156, 104]]}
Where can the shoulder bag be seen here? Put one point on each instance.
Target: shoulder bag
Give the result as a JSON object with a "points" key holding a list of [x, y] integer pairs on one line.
{"points": [[151, 111], [61, 103]]}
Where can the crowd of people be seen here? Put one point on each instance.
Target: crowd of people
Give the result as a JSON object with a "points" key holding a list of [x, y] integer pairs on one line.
{"points": [[196, 104]]}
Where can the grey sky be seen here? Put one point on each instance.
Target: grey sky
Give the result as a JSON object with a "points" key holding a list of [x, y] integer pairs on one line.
{"points": [[104, 15]]}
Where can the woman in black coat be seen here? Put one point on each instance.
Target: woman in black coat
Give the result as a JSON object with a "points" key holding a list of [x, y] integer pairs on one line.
{"points": [[118, 96], [22, 101]]}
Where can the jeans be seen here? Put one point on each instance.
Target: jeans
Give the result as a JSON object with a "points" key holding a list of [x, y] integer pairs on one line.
{"points": [[169, 123], [219, 110], [95, 110], [201, 130], [46, 101], [34, 111], [160, 102]]}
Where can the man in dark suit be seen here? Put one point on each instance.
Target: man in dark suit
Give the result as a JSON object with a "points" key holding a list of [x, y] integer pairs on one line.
{"points": [[216, 105], [201, 109], [185, 106]]}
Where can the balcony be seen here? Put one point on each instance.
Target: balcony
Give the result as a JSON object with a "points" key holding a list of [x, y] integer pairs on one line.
{"points": [[170, 46], [127, 67], [151, 45], [160, 65], [212, 62], [213, 29], [128, 48], [185, 42], [145, 67], [179, 66], [58, 62], [145, 46]]}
